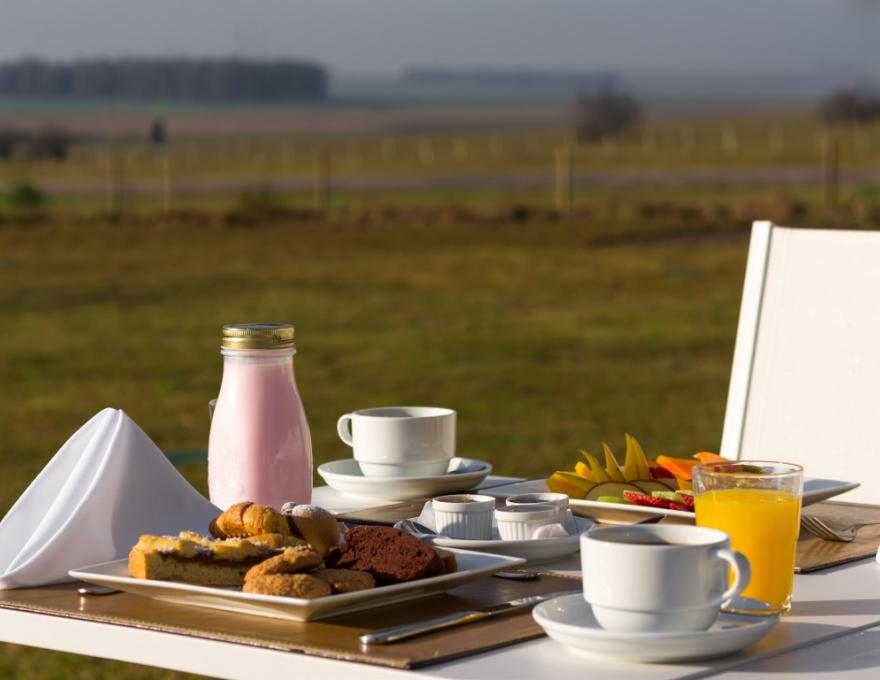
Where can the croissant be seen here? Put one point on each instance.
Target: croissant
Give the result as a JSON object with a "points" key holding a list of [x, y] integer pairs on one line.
{"points": [[246, 519]]}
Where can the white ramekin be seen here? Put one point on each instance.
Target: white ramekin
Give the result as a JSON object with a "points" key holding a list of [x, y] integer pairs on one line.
{"points": [[518, 523], [467, 516], [560, 500]]}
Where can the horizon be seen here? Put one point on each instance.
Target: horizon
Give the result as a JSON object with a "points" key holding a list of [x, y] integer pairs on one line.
{"points": [[385, 37]]}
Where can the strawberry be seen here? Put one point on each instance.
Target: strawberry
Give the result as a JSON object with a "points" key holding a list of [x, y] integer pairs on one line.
{"points": [[644, 499], [658, 472], [687, 501], [679, 506]]}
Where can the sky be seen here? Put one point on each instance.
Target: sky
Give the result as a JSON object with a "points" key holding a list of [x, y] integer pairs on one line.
{"points": [[382, 37]]}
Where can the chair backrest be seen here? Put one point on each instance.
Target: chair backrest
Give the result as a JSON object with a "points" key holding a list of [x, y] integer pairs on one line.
{"points": [[805, 384]]}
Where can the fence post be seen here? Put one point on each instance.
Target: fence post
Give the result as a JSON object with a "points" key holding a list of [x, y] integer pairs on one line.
{"points": [[389, 148], [352, 154], [114, 179], [22, 160], [321, 188], [166, 181], [688, 139], [496, 146], [287, 158], [426, 151], [777, 141], [564, 179], [862, 141], [831, 160], [729, 140], [609, 145], [460, 149]]}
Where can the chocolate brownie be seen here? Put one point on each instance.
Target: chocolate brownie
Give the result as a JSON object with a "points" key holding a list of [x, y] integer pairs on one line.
{"points": [[390, 555]]}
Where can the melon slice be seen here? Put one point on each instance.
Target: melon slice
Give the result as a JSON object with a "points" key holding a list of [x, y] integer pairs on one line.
{"points": [[651, 485], [569, 483], [610, 489]]}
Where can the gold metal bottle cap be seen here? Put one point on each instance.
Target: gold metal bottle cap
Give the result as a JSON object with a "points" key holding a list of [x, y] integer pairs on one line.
{"points": [[257, 336]]}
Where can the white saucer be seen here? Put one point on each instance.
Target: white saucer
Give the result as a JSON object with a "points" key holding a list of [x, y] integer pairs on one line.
{"points": [[345, 475], [534, 550], [569, 620]]}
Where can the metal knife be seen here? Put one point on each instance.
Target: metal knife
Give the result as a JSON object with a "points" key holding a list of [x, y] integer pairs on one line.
{"points": [[404, 632]]}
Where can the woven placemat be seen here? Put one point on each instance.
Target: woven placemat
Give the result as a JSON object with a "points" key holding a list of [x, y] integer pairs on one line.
{"points": [[815, 553], [335, 638]]}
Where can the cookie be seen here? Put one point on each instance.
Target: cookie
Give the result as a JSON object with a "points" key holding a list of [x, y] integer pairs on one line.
{"points": [[291, 561], [314, 524], [345, 580], [287, 585]]}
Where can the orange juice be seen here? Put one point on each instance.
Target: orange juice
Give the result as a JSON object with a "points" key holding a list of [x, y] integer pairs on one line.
{"points": [[763, 524]]}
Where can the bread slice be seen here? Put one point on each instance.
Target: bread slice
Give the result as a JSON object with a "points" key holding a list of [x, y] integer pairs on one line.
{"points": [[191, 558], [156, 566]]}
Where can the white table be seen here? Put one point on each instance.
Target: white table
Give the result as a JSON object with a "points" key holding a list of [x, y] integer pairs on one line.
{"points": [[834, 625]]}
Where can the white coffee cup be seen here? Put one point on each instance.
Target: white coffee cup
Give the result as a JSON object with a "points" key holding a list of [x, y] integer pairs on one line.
{"points": [[659, 578], [400, 441]]}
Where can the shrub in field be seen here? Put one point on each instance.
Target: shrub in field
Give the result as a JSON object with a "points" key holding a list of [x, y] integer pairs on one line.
{"points": [[608, 113], [50, 143], [25, 196], [258, 204], [849, 106]]}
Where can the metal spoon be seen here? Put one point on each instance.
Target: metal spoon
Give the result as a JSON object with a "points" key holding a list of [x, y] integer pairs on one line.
{"points": [[97, 590], [414, 527]]}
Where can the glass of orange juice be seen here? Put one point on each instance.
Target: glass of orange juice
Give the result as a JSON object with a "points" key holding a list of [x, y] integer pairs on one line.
{"points": [[758, 503]]}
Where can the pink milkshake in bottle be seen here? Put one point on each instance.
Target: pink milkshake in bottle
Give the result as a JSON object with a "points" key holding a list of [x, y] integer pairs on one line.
{"points": [[260, 448]]}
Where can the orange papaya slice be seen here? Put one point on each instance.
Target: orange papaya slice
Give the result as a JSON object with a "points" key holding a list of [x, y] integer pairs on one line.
{"points": [[679, 467], [706, 457]]}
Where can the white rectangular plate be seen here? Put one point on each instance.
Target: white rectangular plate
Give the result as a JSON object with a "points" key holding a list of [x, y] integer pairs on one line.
{"points": [[471, 565], [815, 490]]}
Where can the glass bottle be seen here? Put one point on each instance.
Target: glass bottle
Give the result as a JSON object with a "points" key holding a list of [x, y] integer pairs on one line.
{"points": [[260, 448]]}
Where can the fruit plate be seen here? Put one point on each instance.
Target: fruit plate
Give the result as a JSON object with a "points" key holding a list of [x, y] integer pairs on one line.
{"points": [[471, 565], [815, 490], [345, 475], [569, 620], [534, 550]]}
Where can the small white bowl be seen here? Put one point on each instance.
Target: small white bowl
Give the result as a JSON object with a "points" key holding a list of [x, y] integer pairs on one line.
{"points": [[560, 500], [519, 523], [464, 516]]}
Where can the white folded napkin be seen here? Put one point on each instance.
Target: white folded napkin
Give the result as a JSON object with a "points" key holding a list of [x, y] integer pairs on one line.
{"points": [[108, 484]]}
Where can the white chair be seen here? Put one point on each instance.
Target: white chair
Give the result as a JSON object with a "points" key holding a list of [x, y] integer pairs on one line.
{"points": [[805, 383]]}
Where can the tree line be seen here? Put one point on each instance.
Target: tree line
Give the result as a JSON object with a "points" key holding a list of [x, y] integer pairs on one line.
{"points": [[191, 79]]}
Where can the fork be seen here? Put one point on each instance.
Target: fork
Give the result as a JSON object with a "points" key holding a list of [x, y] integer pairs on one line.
{"points": [[819, 528]]}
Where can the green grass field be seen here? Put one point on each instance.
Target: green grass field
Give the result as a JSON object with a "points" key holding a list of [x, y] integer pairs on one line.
{"points": [[543, 341], [547, 335]]}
